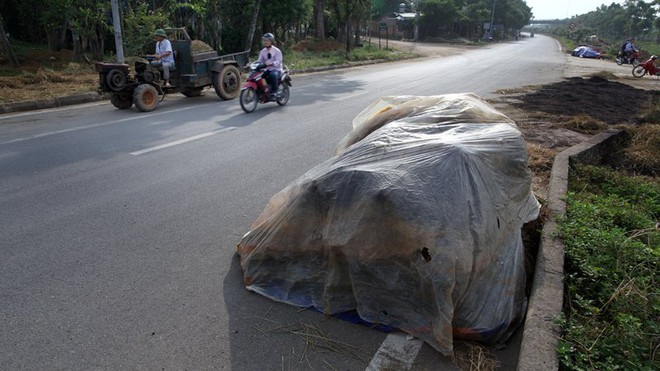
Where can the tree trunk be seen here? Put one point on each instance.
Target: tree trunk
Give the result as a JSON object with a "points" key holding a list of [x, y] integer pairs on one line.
{"points": [[253, 25], [6, 46], [347, 25], [319, 26], [340, 29], [77, 47]]}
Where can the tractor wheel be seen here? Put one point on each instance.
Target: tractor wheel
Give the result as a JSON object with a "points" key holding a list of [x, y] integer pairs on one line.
{"points": [[192, 92], [121, 101], [115, 79], [145, 98], [227, 83]]}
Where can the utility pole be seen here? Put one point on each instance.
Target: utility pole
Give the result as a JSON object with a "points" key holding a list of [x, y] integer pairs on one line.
{"points": [[116, 23], [492, 19], [416, 37]]}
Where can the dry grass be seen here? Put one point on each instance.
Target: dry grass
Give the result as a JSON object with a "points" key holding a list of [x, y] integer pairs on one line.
{"points": [[607, 75], [474, 357], [540, 158], [314, 339], [643, 153], [585, 124], [47, 83], [520, 90], [200, 46]]}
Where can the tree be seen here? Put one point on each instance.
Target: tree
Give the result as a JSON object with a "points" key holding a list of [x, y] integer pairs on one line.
{"points": [[253, 25], [439, 16], [6, 46], [319, 19], [88, 20]]}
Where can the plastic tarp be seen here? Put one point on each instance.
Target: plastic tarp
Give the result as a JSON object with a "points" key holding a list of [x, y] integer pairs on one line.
{"points": [[415, 223], [585, 52]]}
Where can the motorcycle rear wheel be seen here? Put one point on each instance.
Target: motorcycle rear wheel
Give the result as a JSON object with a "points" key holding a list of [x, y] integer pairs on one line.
{"points": [[249, 100], [284, 96], [639, 71]]}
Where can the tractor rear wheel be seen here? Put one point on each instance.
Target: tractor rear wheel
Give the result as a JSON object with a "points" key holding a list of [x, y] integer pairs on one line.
{"points": [[121, 101], [227, 83], [192, 92]]}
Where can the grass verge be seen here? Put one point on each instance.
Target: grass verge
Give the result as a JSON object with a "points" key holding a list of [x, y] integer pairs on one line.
{"points": [[612, 298]]}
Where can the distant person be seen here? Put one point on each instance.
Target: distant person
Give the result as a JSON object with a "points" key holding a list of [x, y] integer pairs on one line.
{"points": [[164, 55], [272, 57], [628, 48]]}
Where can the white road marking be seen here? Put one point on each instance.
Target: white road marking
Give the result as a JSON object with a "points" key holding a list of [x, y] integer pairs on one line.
{"points": [[140, 117], [396, 353], [352, 96], [181, 141]]}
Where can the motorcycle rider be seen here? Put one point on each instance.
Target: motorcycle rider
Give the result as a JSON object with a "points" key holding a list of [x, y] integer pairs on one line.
{"points": [[627, 49], [271, 56]]}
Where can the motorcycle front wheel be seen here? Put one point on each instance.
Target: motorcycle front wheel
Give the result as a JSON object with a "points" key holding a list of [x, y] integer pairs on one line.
{"points": [[639, 71], [284, 96], [249, 100]]}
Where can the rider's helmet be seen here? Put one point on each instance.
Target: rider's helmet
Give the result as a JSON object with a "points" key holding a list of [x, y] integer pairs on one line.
{"points": [[654, 57], [268, 36]]}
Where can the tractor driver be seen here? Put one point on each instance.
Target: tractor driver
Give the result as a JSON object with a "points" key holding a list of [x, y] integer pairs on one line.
{"points": [[164, 56], [271, 56]]}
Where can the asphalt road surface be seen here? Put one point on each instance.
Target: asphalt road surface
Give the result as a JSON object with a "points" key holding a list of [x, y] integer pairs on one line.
{"points": [[118, 228]]}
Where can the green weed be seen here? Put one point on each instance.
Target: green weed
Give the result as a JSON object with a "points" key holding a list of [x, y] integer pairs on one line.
{"points": [[612, 303]]}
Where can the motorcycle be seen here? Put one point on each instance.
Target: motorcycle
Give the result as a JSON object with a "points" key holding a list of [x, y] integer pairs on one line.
{"points": [[647, 67], [255, 90], [633, 58]]}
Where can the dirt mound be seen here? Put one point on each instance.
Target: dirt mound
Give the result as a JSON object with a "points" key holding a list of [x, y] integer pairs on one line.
{"points": [[595, 96]]}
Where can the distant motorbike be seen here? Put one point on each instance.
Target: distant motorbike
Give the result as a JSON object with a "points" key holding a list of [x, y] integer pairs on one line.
{"points": [[647, 67], [632, 58], [255, 88]]}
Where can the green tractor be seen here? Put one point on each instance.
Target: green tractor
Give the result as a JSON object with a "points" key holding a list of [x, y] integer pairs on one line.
{"points": [[192, 73]]}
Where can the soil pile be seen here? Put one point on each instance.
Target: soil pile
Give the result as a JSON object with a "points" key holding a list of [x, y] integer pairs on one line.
{"points": [[608, 101]]}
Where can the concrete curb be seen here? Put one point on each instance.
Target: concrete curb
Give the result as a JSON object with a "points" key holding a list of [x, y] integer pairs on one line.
{"points": [[541, 333], [51, 102]]}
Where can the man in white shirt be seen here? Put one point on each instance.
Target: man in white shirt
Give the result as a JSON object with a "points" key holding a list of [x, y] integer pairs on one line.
{"points": [[164, 56]]}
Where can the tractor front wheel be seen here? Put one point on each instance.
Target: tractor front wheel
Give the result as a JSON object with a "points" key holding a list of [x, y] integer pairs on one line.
{"points": [[145, 97]]}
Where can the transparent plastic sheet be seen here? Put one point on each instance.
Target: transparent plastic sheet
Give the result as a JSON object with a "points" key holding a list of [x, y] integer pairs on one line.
{"points": [[415, 223]]}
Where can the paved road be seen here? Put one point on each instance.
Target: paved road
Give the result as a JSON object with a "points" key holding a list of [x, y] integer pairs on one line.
{"points": [[119, 228]]}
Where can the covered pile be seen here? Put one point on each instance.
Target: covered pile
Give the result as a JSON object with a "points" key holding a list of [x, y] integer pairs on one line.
{"points": [[415, 223]]}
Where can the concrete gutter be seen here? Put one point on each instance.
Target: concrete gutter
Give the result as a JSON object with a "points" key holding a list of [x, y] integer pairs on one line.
{"points": [[50, 103], [541, 333]]}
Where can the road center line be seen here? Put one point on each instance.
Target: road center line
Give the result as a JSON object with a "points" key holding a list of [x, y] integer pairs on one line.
{"points": [[181, 141], [396, 353]]}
